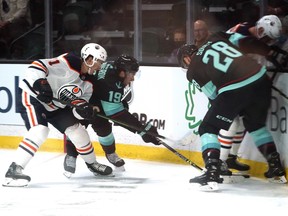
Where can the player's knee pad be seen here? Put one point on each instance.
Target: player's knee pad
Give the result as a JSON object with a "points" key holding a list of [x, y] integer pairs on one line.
{"points": [[104, 130], [207, 128], [229, 133], [237, 124], [107, 140], [78, 135], [37, 134], [261, 136]]}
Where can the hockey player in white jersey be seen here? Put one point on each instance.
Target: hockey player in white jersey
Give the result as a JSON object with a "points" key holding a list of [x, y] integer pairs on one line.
{"points": [[62, 78], [267, 29]]}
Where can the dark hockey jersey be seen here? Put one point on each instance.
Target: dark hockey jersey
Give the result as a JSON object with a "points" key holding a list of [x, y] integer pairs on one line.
{"points": [[108, 89], [220, 64]]}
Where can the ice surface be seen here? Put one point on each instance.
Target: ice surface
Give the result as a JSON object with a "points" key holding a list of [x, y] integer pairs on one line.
{"points": [[145, 188]]}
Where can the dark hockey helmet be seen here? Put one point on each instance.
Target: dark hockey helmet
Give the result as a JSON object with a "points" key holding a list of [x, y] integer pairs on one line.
{"points": [[183, 51], [126, 63]]}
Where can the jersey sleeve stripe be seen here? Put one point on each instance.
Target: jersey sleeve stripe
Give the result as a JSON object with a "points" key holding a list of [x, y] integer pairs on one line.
{"points": [[38, 66]]}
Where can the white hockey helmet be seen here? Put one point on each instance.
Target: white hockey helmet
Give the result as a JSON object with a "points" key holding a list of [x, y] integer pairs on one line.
{"points": [[94, 50], [272, 26]]}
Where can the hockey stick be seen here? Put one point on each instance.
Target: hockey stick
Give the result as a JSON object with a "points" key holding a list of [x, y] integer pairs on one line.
{"points": [[280, 92], [181, 156], [138, 129], [233, 175], [152, 134]]}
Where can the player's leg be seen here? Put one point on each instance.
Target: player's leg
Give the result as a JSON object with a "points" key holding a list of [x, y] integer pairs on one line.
{"points": [[70, 158], [66, 123], [211, 153], [71, 154], [232, 160], [32, 113], [208, 131], [106, 138], [255, 122]]}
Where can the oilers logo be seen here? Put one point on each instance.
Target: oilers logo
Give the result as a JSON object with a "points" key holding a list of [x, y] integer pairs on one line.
{"points": [[69, 92]]}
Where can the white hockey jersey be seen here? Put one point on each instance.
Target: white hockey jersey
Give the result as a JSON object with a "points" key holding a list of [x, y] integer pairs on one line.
{"points": [[63, 75]]}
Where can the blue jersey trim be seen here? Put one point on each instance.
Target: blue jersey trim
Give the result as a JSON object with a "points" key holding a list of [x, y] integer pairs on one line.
{"points": [[111, 108], [243, 83]]}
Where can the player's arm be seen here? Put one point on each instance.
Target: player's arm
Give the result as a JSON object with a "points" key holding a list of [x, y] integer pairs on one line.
{"points": [[35, 82], [253, 45], [148, 132]]}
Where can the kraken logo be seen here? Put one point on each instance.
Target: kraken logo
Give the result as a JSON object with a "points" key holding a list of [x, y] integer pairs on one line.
{"points": [[128, 93], [194, 112]]}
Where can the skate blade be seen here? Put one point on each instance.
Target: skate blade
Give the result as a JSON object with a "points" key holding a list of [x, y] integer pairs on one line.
{"points": [[67, 174], [278, 180], [239, 172], [104, 176], [234, 178], [211, 186], [9, 182], [119, 169]]}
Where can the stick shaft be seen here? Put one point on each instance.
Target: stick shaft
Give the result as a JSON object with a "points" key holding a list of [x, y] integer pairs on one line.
{"points": [[139, 130], [280, 92], [181, 156]]}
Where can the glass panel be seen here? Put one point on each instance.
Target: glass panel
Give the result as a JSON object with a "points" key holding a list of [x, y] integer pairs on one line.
{"points": [[158, 24], [105, 22], [163, 28], [17, 30]]}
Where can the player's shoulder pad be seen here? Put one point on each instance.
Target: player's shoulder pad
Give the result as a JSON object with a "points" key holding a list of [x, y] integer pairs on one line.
{"points": [[74, 61]]}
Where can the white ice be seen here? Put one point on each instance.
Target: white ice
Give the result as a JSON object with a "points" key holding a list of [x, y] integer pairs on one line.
{"points": [[145, 188]]}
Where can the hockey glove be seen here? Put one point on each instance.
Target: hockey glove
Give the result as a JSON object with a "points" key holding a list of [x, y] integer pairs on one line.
{"points": [[125, 104], [43, 88], [84, 109], [149, 134], [273, 57]]}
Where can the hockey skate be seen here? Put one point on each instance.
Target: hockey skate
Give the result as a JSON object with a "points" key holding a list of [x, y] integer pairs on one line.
{"points": [[276, 172], [228, 176], [209, 180], [15, 178], [69, 165], [233, 163], [99, 169], [116, 161], [224, 171]]}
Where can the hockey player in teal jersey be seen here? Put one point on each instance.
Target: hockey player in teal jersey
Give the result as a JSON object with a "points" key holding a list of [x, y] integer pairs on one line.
{"points": [[222, 71], [109, 83]]}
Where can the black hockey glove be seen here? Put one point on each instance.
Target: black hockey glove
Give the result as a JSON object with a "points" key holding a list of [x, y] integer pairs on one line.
{"points": [[43, 88], [125, 104], [273, 57], [84, 109], [284, 61], [149, 134]]}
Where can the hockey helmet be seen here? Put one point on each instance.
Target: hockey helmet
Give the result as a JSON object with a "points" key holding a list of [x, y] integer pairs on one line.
{"points": [[94, 50], [184, 51], [272, 26], [126, 63]]}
